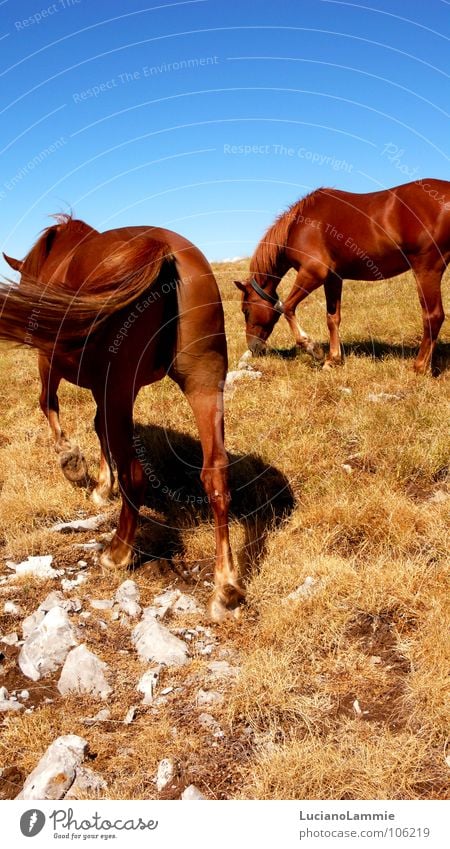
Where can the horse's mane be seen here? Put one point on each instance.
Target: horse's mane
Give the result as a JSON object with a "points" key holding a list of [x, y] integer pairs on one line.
{"points": [[37, 255], [270, 250]]}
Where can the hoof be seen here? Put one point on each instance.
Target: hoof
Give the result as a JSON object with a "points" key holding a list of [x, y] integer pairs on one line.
{"points": [[226, 603], [332, 362], [74, 466], [110, 559]]}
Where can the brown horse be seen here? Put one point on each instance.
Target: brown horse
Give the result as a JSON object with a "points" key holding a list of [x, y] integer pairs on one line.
{"points": [[113, 312], [330, 235]]}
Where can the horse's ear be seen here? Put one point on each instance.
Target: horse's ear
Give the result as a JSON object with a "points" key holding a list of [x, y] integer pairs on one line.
{"points": [[16, 264], [240, 285]]}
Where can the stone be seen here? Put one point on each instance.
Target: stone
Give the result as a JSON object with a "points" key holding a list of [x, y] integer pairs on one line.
{"points": [[303, 591], [8, 703], [222, 669], [56, 770], [12, 608], [54, 599], [154, 642], [209, 697], [235, 377], [37, 565], [101, 604], [210, 724], [192, 793], [176, 602], [130, 715], [127, 597], [47, 646], [147, 684], [90, 524], [87, 784], [68, 585], [102, 716], [10, 639], [84, 672], [378, 397], [164, 774]]}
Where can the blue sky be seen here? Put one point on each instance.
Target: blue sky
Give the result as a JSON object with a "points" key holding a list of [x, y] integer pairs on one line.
{"points": [[210, 117]]}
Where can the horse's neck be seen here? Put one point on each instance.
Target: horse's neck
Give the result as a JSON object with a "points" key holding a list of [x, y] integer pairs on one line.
{"points": [[269, 271]]}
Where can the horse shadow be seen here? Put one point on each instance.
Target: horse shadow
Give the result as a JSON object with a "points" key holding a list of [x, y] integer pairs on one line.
{"points": [[261, 499], [374, 349]]}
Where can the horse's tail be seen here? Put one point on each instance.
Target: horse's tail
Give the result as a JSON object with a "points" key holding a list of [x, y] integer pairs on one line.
{"points": [[55, 319]]}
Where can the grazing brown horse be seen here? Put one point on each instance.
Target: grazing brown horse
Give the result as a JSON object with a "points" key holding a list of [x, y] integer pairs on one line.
{"points": [[113, 312], [330, 235]]}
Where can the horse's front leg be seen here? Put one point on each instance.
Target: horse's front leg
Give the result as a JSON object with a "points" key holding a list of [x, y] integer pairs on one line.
{"points": [[71, 459], [208, 411], [306, 282], [333, 296], [102, 492]]}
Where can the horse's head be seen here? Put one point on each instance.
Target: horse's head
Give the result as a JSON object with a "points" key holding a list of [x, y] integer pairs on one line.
{"points": [[261, 311]]}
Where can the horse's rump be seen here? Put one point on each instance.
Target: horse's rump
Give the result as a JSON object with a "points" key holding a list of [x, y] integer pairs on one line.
{"points": [[58, 318]]}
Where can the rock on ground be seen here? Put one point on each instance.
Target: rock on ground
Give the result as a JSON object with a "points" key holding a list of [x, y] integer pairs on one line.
{"points": [[127, 597], [39, 566], [54, 599], [90, 524], [192, 793], [47, 646], [87, 784], [165, 773], [84, 672], [147, 684], [56, 770], [154, 641]]}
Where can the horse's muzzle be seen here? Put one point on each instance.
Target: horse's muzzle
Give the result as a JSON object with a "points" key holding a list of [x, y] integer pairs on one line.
{"points": [[257, 346]]}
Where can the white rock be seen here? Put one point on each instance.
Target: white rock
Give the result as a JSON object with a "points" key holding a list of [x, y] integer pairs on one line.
{"points": [[210, 724], [346, 390], [87, 784], [147, 684], [24, 695], [12, 608], [175, 601], [10, 705], [76, 582], [4, 693], [101, 604], [47, 646], [84, 672], [130, 715], [56, 770], [222, 669], [377, 397], [10, 639], [127, 597], [234, 377], [154, 641], [39, 566], [102, 716], [303, 591], [89, 546], [347, 468], [90, 524], [192, 793], [165, 774], [209, 697], [54, 599]]}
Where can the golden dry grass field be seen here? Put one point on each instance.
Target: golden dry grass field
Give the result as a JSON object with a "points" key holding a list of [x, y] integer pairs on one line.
{"points": [[343, 690]]}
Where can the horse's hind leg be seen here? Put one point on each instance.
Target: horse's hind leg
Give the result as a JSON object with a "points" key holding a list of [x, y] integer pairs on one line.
{"points": [[102, 492], [429, 289], [208, 411], [118, 429], [333, 295], [71, 459]]}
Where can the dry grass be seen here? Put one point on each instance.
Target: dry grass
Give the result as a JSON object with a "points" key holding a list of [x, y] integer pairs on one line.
{"points": [[342, 693]]}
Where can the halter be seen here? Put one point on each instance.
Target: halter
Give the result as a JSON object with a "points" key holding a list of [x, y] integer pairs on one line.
{"points": [[276, 302]]}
